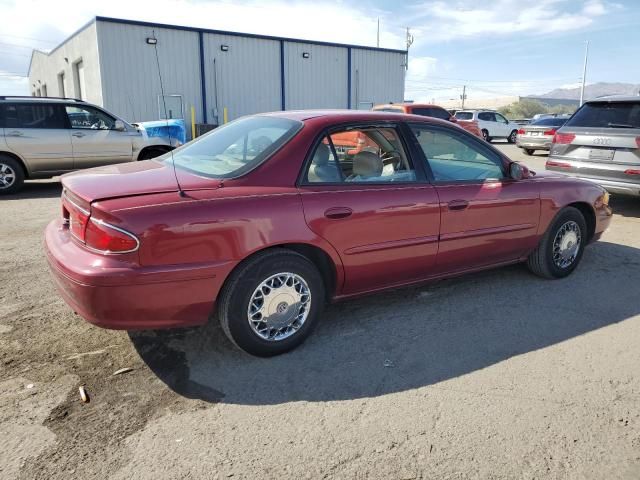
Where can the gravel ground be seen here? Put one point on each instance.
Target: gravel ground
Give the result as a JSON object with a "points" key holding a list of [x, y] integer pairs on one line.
{"points": [[496, 375]]}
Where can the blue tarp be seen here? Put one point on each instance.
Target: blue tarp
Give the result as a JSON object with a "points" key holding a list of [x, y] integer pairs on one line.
{"points": [[174, 128]]}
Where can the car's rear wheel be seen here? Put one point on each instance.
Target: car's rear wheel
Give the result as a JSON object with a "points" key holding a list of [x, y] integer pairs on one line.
{"points": [[272, 302], [561, 248], [528, 151], [11, 175], [512, 136], [485, 135]]}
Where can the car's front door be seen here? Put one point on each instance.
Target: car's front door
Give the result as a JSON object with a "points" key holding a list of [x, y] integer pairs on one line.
{"points": [[503, 125], [373, 207], [487, 218], [94, 138], [37, 133]]}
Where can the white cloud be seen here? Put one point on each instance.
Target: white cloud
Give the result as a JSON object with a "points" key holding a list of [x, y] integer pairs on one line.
{"points": [[464, 18]]}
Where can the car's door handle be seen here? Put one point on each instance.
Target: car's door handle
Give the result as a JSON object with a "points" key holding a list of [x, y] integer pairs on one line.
{"points": [[15, 134], [78, 134], [338, 212], [457, 204]]}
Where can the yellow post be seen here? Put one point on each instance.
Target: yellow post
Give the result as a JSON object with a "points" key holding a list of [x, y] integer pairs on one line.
{"points": [[193, 122], [225, 115]]}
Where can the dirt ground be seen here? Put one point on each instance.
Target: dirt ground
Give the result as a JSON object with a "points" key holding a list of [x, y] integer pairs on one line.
{"points": [[496, 375]]}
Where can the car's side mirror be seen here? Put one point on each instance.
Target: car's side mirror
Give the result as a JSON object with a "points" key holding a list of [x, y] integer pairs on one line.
{"points": [[119, 125], [517, 171]]}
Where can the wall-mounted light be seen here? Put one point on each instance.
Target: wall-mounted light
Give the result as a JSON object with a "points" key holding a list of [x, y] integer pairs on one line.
{"points": [[224, 48], [306, 55], [152, 40], [66, 59]]}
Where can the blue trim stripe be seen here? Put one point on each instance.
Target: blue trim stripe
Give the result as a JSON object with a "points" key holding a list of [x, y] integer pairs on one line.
{"points": [[203, 83], [349, 77], [283, 101]]}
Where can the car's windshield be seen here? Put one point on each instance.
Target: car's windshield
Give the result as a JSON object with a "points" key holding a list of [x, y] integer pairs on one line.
{"points": [[464, 115], [235, 148], [607, 115]]}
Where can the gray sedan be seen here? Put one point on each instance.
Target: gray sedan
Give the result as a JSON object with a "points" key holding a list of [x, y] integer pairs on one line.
{"points": [[601, 142], [538, 134]]}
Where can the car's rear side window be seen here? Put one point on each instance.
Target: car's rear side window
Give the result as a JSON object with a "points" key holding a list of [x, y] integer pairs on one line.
{"points": [[235, 148], [440, 113], [464, 115], [549, 122], [607, 115], [34, 115]]}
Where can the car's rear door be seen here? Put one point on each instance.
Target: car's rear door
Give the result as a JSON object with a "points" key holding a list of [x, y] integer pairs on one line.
{"points": [[375, 208], [487, 218], [37, 132], [94, 138]]}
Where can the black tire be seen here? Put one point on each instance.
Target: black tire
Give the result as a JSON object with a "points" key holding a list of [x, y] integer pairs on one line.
{"points": [[485, 135], [233, 302], [512, 136], [11, 175], [541, 260], [528, 151], [149, 153]]}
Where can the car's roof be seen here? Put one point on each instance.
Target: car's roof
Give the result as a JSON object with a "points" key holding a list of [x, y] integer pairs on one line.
{"points": [[22, 99], [408, 104], [615, 98], [346, 115]]}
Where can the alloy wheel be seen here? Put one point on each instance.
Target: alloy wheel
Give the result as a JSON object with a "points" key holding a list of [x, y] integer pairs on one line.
{"points": [[7, 176]]}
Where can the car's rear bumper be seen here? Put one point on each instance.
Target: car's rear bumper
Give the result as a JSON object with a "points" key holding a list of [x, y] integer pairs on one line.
{"points": [[536, 144], [596, 174], [113, 293]]}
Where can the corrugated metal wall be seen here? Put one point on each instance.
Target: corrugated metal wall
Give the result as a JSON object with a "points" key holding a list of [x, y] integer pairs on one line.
{"points": [[376, 77], [319, 81], [130, 81], [245, 79]]}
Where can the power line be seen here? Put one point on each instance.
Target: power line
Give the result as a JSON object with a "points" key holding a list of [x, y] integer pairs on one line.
{"points": [[29, 38]]}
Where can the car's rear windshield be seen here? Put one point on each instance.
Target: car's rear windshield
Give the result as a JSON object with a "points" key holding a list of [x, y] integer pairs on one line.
{"points": [[607, 115], [236, 148], [549, 122], [464, 115]]}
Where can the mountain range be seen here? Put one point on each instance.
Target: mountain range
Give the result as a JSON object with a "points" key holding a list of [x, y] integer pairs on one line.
{"points": [[593, 90]]}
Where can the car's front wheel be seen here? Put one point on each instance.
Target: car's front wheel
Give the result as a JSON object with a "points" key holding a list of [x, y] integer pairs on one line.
{"points": [[512, 136], [561, 248], [271, 303], [528, 151]]}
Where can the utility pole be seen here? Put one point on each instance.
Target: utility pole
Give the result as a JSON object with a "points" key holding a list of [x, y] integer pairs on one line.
{"points": [[584, 72], [409, 40], [378, 36], [463, 97]]}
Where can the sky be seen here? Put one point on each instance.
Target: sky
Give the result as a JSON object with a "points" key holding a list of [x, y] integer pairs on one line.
{"points": [[495, 48]]}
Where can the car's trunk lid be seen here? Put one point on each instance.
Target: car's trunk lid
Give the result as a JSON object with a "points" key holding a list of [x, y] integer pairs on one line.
{"points": [[131, 179], [602, 145]]}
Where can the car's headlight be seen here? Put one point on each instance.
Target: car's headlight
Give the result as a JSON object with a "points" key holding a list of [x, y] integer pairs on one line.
{"points": [[605, 198]]}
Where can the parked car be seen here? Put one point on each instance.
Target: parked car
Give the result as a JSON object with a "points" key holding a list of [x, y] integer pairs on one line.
{"points": [[601, 142], [42, 137], [539, 134], [259, 223], [492, 124], [429, 110]]}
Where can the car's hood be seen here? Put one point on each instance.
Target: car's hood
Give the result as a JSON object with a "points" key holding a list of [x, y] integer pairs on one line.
{"points": [[129, 179]]}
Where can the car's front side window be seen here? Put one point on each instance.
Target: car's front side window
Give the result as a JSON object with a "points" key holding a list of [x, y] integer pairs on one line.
{"points": [[453, 157], [90, 118], [360, 155]]}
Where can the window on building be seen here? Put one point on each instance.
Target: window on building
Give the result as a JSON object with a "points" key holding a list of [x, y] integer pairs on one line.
{"points": [[44, 90], [38, 93], [80, 86], [61, 85]]}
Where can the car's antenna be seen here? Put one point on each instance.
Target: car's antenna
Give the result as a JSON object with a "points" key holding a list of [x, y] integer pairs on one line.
{"points": [[166, 117]]}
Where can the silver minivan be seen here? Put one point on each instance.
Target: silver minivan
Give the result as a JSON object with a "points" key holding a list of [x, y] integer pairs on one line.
{"points": [[601, 142]]}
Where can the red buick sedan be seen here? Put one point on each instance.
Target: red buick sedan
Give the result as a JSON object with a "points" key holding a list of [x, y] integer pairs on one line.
{"points": [[263, 221]]}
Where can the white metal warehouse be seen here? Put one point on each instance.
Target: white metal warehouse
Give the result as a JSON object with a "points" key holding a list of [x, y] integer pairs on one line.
{"points": [[111, 62]]}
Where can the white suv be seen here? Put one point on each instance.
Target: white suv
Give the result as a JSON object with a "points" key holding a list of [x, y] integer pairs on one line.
{"points": [[42, 137], [491, 124]]}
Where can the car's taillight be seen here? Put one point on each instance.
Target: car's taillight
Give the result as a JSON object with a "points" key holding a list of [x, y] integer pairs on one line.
{"points": [[521, 131], [632, 172], [551, 132], [638, 141], [77, 218], [563, 138], [107, 238]]}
